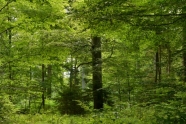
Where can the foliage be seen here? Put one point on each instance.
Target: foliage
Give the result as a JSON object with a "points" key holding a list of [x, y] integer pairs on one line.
{"points": [[46, 46], [7, 108], [71, 101]]}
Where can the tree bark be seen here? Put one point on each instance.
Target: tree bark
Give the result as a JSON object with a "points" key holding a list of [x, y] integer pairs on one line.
{"points": [[184, 52], [43, 85], [184, 48], [157, 66], [97, 73], [159, 69], [49, 84], [71, 72], [169, 60]]}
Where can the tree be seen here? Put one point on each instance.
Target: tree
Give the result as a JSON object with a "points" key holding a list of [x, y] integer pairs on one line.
{"points": [[97, 73]]}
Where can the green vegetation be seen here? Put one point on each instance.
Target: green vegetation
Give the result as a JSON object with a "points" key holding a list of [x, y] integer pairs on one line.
{"points": [[92, 61]]}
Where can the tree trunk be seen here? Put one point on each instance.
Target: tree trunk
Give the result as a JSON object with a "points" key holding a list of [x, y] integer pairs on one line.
{"points": [[71, 72], [43, 85], [97, 73], [159, 69], [184, 49], [49, 84], [83, 76], [169, 60], [157, 66], [184, 52]]}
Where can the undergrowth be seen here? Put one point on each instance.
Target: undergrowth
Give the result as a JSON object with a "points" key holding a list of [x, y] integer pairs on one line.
{"points": [[129, 116]]}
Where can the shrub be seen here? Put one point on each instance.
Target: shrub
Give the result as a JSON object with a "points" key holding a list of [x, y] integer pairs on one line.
{"points": [[6, 108], [69, 101]]}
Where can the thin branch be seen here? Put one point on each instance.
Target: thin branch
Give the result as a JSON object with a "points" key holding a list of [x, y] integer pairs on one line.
{"points": [[6, 5], [163, 24], [6, 30], [112, 51], [85, 63], [159, 15]]}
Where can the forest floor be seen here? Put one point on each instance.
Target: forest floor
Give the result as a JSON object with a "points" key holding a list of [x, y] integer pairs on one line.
{"points": [[108, 117]]}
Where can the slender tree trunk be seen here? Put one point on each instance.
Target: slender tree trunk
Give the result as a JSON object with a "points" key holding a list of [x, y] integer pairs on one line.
{"points": [[71, 72], [83, 76], [29, 99], [49, 84], [97, 73], [9, 33], [156, 66], [76, 80], [169, 60], [43, 86], [184, 53], [158, 59], [184, 49], [159, 69]]}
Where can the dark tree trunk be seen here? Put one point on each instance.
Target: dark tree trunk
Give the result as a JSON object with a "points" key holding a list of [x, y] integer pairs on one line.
{"points": [[159, 69], [49, 84], [169, 60], [157, 66], [97, 73], [184, 53], [43, 85], [184, 48], [71, 73]]}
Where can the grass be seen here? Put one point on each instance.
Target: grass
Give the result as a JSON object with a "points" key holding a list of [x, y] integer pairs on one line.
{"points": [[46, 119], [108, 117]]}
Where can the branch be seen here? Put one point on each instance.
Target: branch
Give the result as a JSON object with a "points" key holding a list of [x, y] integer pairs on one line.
{"points": [[163, 24], [112, 51], [6, 30], [85, 63], [5, 5], [160, 15]]}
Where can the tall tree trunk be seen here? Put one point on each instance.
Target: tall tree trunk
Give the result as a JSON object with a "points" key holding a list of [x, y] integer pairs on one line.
{"points": [[97, 73], [169, 60], [49, 84], [71, 72], [184, 48], [29, 100], [156, 66], [158, 58], [159, 69], [9, 33], [83, 76], [43, 85], [184, 52], [76, 80]]}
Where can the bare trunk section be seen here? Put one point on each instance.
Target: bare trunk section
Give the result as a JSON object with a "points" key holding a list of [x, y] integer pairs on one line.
{"points": [[169, 60], [9, 33], [159, 69], [184, 53], [184, 67], [97, 73], [49, 84], [158, 66], [43, 72], [83, 76]]}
